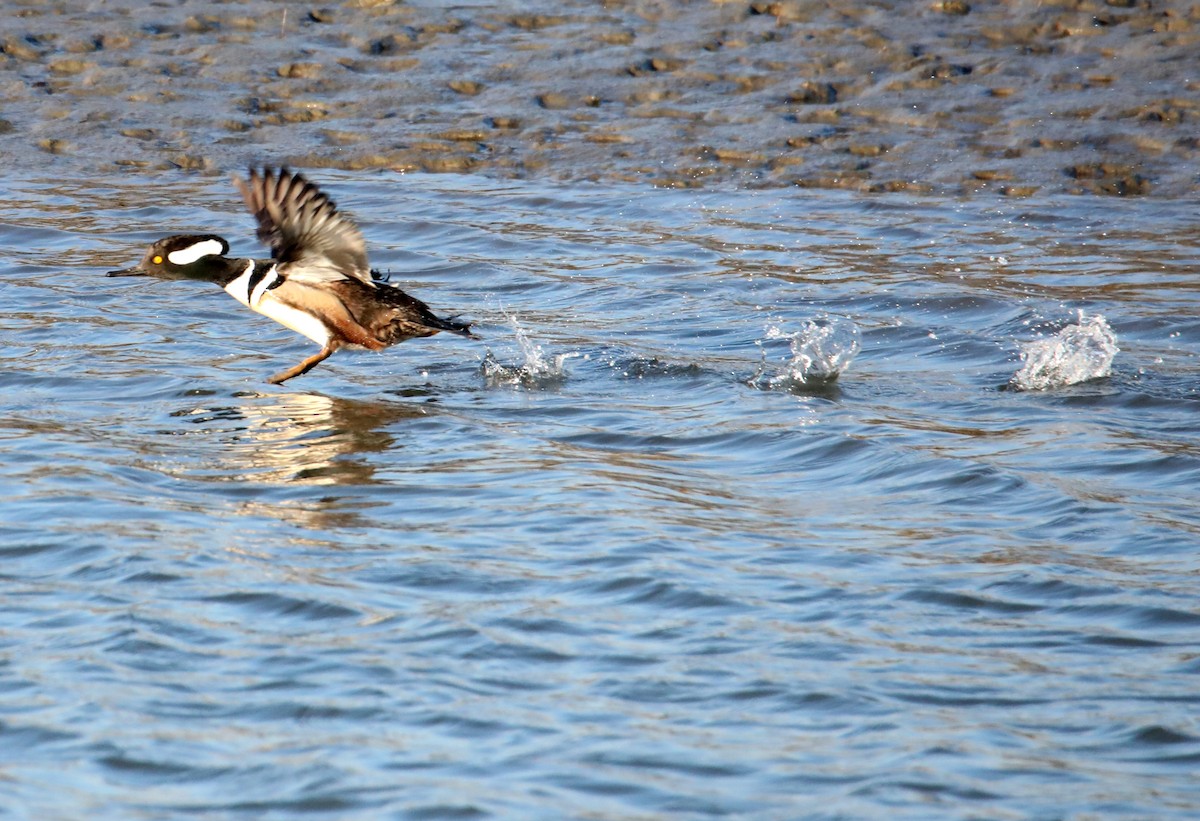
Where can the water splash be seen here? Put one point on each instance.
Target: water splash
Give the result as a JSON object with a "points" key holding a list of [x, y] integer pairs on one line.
{"points": [[536, 370], [1077, 353], [819, 353]]}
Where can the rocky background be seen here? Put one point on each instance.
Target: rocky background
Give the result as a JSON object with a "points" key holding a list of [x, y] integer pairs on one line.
{"points": [[948, 97]]}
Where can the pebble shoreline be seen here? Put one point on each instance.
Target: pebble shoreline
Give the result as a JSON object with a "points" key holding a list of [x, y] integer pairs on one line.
{"points": [[947, 97]]}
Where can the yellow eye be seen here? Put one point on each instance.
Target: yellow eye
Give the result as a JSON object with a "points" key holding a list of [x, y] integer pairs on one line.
{"points": [[157, 260]]}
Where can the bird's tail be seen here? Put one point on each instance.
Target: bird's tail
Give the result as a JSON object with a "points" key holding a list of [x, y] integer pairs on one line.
{"points": [[450, 325]]}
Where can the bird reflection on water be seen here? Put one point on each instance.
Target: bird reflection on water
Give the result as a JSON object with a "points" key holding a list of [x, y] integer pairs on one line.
{"points": [[268, 442], [301, 438]]}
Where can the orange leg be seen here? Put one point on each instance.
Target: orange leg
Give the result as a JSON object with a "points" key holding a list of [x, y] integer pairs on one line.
{"points": [[304, 367]]}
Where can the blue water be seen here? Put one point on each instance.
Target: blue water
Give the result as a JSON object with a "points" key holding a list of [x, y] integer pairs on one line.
{"points": [[619, 558]]}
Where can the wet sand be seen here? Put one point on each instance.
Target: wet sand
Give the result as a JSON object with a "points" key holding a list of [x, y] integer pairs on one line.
{"points": [[948, 97]]}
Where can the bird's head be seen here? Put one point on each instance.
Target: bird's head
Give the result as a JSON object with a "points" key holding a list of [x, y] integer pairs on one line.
{"points": [[187, 256]]}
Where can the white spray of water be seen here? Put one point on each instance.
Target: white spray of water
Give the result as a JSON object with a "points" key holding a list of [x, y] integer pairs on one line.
{"points": [[820, 352], [536, 370], [1077, 353]]}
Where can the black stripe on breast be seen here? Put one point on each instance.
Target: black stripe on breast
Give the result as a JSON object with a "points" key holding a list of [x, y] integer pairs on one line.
{"points": [[256, 276]]}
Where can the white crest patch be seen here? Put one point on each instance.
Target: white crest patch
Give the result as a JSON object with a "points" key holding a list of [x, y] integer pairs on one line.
{"points": [[193, 252]]}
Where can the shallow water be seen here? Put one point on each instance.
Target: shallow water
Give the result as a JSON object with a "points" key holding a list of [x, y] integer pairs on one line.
{"points": [[615, 560]]}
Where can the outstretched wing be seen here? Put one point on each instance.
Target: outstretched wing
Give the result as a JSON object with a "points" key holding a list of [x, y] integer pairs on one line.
{"points": [[303, 228]]}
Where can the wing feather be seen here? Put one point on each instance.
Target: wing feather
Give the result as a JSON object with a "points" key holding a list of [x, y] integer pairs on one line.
{"points": [[303, 227]]}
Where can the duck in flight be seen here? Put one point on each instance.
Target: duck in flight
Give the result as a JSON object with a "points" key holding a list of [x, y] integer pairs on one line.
{"points": [[317, 281]]}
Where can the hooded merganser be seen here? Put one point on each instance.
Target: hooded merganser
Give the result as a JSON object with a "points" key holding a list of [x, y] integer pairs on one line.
{"points": [[317, 281]]}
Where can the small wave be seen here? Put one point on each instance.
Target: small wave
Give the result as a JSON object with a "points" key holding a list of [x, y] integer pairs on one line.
{"points": [[536, 370], [640, 367], [1077, 353], [819, 353]]}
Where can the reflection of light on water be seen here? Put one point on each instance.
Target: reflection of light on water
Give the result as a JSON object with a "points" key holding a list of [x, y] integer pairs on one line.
{"points": [[1077, 353], [535, 369], [818, 354]]}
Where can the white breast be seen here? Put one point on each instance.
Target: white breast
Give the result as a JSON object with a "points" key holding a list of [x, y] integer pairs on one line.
{"points": [[239, 288], [288, 316], [263, 301]]}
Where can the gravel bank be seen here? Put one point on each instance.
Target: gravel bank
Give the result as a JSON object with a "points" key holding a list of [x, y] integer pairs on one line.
{"points": [[1015, 98]]}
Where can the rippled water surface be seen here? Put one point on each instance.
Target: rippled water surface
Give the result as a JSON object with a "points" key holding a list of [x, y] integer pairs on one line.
{"points": [[621, 558]]}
